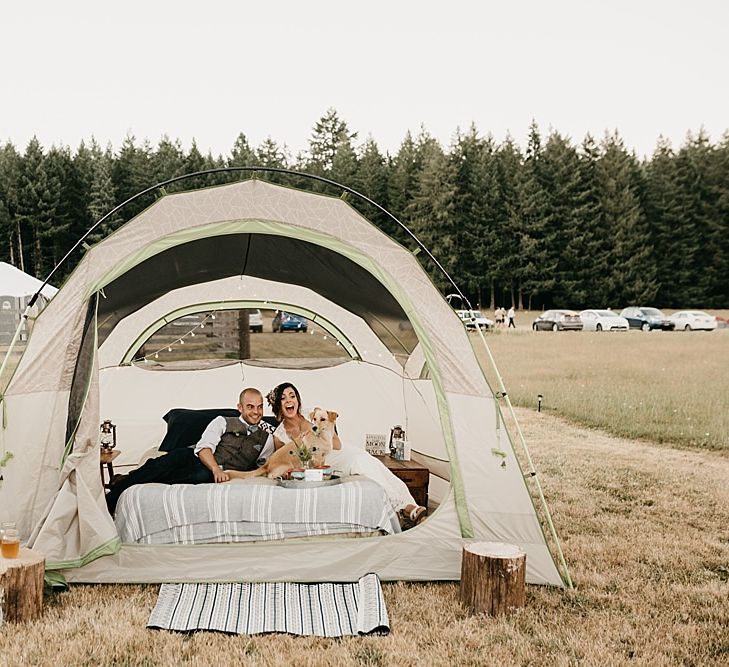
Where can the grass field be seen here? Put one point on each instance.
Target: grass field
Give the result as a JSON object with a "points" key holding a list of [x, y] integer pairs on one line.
{"points": [[644, 532], [643, 527], [664, 387]]}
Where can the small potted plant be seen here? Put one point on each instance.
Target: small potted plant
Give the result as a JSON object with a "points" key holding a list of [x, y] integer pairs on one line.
{"points": [[305, 454]]}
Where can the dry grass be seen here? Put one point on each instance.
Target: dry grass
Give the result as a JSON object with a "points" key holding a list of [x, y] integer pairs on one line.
{"points": [[663, 387], [643, 528]]}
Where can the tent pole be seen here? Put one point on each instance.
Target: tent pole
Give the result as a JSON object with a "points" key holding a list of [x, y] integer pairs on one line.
{"points": [[532, 471]]}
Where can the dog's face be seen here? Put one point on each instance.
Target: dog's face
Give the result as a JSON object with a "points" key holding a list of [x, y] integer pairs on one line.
{"points": [[322, 422]]}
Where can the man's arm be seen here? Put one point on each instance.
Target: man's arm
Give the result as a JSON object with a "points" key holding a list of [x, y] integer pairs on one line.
{"points": [[205, 448], [208, 460]]}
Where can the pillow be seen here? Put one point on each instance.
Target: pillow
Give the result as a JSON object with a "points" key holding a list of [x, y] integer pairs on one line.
{"points": [[186, 426]]}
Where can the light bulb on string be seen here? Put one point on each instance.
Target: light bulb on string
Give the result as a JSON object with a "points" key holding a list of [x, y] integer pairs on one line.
{"points": [[182, 342], [192, 333], [169, 349], [156, 355]]}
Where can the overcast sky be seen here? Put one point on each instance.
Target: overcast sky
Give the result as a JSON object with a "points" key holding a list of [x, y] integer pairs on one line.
{"points": [[209, 70]]}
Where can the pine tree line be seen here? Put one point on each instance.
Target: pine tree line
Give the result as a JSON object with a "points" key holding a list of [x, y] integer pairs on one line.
{"points": [[557, 224]]}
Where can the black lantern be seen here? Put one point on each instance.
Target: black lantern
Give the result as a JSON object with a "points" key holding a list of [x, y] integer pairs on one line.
{"points": [[107, 435]]}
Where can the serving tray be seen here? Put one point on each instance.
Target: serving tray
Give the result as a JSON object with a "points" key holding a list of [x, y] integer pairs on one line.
{"points": [[303, 484]]}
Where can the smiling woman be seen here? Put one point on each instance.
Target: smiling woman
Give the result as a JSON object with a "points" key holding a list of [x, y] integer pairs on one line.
{"points": [[285, 402]]}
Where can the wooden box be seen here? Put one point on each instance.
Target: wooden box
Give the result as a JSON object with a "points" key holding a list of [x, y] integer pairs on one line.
{"points": [[413, 474]]}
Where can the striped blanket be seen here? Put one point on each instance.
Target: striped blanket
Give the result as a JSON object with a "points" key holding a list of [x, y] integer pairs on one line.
{"points": [[323, 610], [253, 510]]}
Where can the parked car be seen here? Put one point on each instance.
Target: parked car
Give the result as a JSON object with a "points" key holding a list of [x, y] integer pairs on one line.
{"points": [[603, 320], [474, 318], [255, 321], [647, 319], [283, 321], [693, 320], [558, 320]]}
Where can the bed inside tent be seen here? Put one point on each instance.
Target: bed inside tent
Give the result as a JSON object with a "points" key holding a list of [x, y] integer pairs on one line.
{"points": [[396, 353]]}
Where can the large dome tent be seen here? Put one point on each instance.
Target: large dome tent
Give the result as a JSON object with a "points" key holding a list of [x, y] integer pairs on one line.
{"points": [[364, 285]]}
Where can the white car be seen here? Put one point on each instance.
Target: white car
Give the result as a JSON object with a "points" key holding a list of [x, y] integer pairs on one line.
{"points": [[693, 320], [602, 320], [474, 318], [255, 321]]}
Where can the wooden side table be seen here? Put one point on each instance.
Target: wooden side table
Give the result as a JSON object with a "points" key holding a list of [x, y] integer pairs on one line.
{"points": [[414, 475], [107, 459], [22, 580]]}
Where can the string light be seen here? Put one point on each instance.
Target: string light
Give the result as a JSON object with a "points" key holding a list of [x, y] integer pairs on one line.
{"points": [[211, 316], [181, 340]]}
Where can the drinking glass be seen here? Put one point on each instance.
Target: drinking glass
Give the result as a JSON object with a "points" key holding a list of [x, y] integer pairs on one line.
{"points": [[10, 545], [5, 525]]}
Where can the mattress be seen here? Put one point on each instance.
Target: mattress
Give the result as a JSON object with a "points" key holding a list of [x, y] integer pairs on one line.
{"points": [[251, 510]]}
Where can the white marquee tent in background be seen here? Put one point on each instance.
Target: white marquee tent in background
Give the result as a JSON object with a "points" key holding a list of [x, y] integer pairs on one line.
{"points": [[16, 289]]}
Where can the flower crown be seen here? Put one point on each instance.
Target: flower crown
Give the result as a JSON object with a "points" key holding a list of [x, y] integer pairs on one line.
{"points": [[274, 396]]}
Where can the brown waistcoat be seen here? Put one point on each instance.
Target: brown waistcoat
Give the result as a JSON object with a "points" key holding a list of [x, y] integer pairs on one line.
{"points": [[238, 450]]}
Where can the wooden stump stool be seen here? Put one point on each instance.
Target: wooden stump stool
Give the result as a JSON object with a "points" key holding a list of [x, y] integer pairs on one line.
{"points": [[22, 580], [492, 578]]}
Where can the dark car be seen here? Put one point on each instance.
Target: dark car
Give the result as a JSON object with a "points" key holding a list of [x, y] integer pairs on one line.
{"points": [[558, 320], [646, 318], [283, 321]]}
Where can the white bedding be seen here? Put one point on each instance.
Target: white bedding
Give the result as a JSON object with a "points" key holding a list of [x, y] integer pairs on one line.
{"points": [[251, 510]]}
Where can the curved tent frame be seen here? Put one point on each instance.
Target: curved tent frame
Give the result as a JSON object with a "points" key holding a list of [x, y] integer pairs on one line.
{"points": [[59, 376]]}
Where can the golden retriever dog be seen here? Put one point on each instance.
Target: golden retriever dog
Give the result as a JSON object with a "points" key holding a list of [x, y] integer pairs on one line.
{"points": [[278, 464], [323, 423]]}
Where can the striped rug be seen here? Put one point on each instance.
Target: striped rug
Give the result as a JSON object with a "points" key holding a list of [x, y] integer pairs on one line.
{"points": [[323, 610]]}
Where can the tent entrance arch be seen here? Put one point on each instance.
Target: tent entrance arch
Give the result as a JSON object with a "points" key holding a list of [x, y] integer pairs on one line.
{"points": [[451, 413]]}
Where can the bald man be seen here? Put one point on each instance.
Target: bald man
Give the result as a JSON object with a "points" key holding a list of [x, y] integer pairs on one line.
{"points": [[232, 443]]}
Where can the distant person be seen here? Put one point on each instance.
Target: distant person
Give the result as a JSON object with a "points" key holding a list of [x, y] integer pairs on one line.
{"points": [[499, 316], [511, 315]]}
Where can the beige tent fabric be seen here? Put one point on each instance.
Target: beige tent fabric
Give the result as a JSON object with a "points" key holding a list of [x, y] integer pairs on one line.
{"points": [[76, 522], [494, 498], [253, 200], [368, 345]]}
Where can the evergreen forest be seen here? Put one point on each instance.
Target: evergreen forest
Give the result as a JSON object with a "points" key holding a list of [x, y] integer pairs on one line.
{"points": [[554, 224]]}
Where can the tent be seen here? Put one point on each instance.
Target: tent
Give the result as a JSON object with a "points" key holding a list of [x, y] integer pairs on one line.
{"points": [[408, 361], [16, 289]]}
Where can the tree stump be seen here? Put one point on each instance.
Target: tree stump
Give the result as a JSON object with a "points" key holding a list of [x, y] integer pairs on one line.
{"points": [[492, 578], [21, 579]]}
